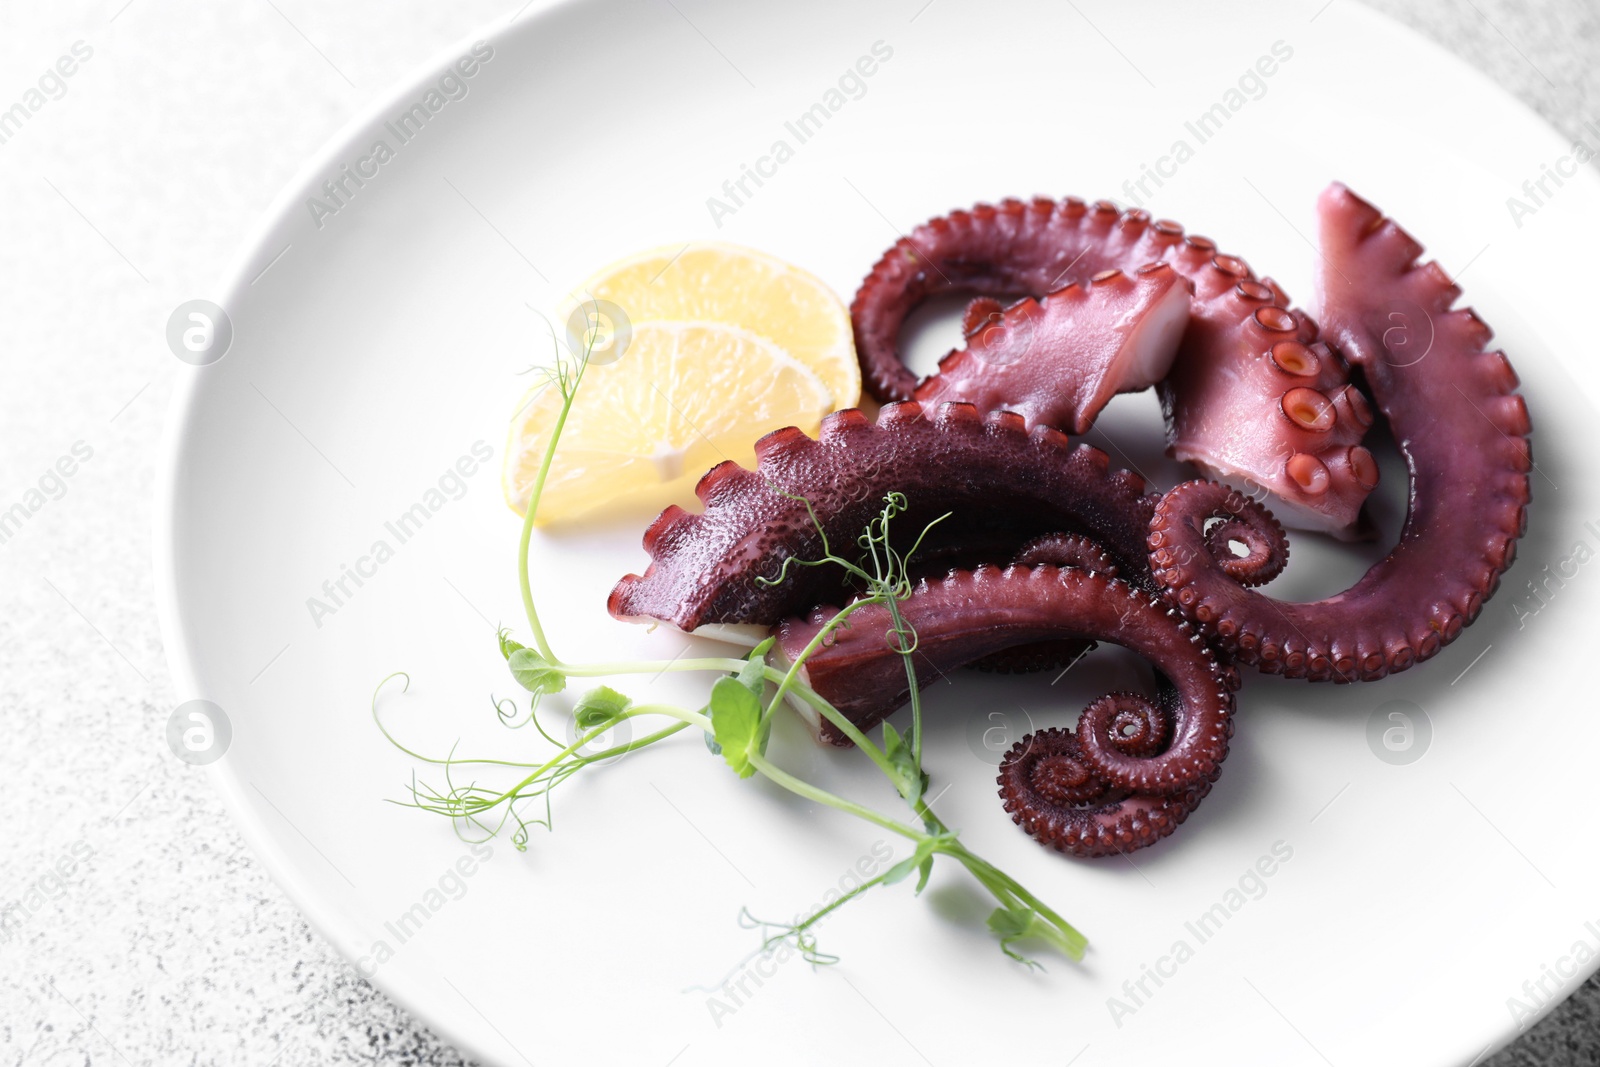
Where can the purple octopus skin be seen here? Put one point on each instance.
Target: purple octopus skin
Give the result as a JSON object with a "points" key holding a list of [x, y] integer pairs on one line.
{"points": [[1062, 550], [1463, 431], [1001, 484], [1066, 550], [1052, 793], [1162, 746], [1057, 361], [1253, 398]]}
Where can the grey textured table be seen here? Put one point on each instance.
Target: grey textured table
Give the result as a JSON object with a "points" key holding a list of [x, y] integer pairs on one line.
{"points": [[137, 928]]}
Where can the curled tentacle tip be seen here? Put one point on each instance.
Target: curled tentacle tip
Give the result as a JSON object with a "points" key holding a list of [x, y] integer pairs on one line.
{"points": [[1052, 792], [1247, 551], [1132, 725]]}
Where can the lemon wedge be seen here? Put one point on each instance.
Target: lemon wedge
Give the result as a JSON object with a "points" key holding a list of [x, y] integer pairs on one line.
{"points": [[679, 398], [714, 282]]}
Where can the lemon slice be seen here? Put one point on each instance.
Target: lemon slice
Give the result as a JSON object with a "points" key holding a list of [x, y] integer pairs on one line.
{"points": [[741, 287], [681, 398]]}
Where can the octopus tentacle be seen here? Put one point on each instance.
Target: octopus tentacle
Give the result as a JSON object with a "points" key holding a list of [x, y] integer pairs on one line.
{"points": [[720, 566], [981, 312], [1062, 550], [1250, 389], [1162, 745], [1463, 431], [1262, 551], [1127, 724], [1067, 550], [1052, 793], [1059, 360], [1259, 409], [1031, 659], [998, 250]]}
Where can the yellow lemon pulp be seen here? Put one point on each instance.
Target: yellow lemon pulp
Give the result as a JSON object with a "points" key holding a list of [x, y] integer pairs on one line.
{"points": [[682, 397], [742, 287]]}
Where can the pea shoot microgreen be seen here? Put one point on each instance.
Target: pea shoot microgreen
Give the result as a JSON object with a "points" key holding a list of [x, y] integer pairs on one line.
{"points": [[737, 723]]}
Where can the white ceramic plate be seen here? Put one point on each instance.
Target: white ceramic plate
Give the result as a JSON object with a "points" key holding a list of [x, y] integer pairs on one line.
{"points": [[375, 345]]}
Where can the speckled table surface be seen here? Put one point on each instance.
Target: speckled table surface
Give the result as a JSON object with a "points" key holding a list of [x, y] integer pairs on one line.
{"points": [[135, 926]]}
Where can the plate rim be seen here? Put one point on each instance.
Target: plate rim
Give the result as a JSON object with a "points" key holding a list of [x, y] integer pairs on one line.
{"points": [[228, 284], [246, 263]]}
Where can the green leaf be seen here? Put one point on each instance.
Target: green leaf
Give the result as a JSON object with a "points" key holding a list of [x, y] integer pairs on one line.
{"points": [[507, 646], [901, 870], [751, 675], [600, 706], [920, 860], [735, 718], [893, 743], [922, 857], [534, 673], [1009, 923], [1016, 923], [908, 779]]}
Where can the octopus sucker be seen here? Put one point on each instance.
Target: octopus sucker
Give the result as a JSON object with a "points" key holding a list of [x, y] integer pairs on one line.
{"points": [[1462, 432], [1223, 394], [1164, 744]]}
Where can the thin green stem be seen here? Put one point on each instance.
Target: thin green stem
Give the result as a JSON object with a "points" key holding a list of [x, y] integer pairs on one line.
{"points": [[822, 912], [792, 675], [523, 547], [634, 746], [805, 789], [900, 631], [525, 543], [687, 718], [569, 393], [733, 666]]}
